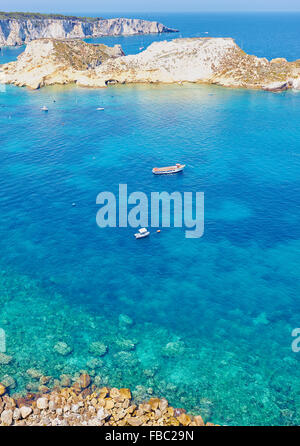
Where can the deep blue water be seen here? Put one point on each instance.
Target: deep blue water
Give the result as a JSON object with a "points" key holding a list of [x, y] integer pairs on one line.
{"points": [[211, 317], [267, 35]]}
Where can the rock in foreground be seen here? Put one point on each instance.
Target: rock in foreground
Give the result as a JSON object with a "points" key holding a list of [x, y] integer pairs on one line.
{"points": [[200, 60], [92, 406]]}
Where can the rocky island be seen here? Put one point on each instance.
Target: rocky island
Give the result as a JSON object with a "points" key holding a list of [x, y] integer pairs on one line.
{"points": [[217, 61], [20, 28]]}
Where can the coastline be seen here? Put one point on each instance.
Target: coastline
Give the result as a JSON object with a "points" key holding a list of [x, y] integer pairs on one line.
{"points": [[16, 31], [218, 61], [86, 405]]}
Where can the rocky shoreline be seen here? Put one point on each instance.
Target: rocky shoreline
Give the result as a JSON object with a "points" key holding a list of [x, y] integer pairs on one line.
{"points": [[216, 61], [85, 404]]}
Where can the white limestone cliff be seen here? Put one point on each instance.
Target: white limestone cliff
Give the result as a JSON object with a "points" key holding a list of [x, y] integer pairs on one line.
{"points": [[18, 32], [201, 60]]}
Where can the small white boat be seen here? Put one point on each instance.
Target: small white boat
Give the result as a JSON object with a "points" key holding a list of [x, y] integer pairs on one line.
{"points": [[142, 47], [168, 170], [100, 108], [44, 108], [143, 232]]}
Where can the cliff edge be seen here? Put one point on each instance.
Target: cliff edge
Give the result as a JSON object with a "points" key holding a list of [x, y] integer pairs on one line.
{"points": [[19, 29], [200, 60]]}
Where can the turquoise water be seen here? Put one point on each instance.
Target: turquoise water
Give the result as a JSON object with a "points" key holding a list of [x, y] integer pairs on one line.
{"points": [[209, 320]]}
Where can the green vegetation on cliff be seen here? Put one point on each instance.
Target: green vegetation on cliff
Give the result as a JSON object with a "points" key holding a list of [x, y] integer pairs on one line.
{"points": [[38, 16]]}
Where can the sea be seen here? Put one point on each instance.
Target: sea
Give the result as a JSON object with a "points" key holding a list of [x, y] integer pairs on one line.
{"points": [[205, 322]]}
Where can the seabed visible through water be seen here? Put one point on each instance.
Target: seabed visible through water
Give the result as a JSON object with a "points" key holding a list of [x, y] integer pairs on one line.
{"points": [[205, 323]]}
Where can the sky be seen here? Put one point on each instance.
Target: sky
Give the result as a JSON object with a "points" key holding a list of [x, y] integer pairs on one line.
{"points": [[148, 5]]}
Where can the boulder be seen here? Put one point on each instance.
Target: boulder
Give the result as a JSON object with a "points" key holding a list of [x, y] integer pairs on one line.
{"points": [[198, 420], [134, 421], [25, 411], [65, 380], [2, 389], [17, 414], [184, 419], [277, 86], [42, 403], [84, 380], [125, 394], [7, 417]]}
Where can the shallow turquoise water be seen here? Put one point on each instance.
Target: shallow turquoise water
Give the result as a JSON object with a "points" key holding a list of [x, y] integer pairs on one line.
{"points": [[211, 317]]}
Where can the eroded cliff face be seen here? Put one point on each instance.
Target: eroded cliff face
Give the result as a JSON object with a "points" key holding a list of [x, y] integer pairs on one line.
{"points": [[204, 60], [50, 61], [18, 32]]}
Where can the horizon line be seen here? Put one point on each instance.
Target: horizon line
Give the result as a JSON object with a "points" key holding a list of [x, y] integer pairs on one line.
{"points": [[155, 12]]}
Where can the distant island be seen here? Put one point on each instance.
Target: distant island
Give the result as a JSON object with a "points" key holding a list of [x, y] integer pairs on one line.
{"points": [[217, 61], [36, 15], [17, 28]]}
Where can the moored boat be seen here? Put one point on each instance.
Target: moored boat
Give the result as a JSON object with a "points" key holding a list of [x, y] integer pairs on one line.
{"points": [[167, 170], [44, 108], [143, 232]]}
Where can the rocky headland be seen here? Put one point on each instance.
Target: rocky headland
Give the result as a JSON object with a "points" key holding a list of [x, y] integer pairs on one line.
{"points": [[85, 404], [217, 61], [18, 28]]}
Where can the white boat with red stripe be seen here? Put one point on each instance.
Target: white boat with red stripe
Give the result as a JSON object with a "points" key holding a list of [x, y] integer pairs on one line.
{"points": [[168, 170]]}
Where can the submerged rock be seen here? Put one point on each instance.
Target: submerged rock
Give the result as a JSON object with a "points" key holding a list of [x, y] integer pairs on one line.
{"points": [[94, 363], [126, 358], [84, 380], [173, 349], [125, 344], [5, 359], [65, 380], [33, 373], [62, 348], [261, 319], [124, 320], [8, 381], [44, 379], [98, 348]]}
